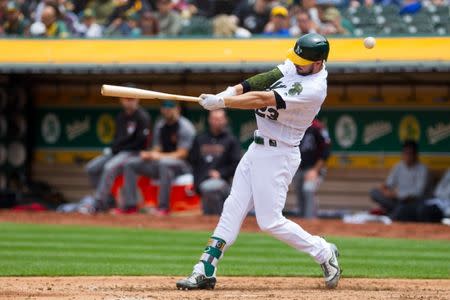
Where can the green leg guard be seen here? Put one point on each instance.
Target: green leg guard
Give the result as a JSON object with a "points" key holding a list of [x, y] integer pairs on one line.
{"points": [[211, 255]]}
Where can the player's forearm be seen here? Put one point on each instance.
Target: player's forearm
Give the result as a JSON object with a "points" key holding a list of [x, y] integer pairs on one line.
{"points": [[319, 165], [177, 154], [251, 100]]}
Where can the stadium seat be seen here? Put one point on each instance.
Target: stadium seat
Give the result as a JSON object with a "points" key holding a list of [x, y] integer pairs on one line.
{"points": [[442, 30], [394, 28], [378, 9], [366, 30], [390, 11], [441, 24], [196, 26], [423, 23], [364, 17], [443, 11]]}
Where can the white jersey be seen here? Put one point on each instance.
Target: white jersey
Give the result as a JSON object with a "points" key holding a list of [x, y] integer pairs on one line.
{"points": [[263, 175], [303, 96]]}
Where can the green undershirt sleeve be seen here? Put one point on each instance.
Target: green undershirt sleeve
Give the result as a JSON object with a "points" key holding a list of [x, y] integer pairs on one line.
{"points": [[262, 81]]}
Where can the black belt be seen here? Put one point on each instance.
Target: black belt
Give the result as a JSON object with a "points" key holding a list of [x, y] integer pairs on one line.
{"points": [[260, 140]]}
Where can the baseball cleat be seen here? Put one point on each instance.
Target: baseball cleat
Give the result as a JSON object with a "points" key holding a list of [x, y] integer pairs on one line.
{"points": [[331, 269], [196, 281]]}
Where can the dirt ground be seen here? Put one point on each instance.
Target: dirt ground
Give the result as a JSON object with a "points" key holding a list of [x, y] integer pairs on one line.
{"points": [[89, 288], [86, 288]]}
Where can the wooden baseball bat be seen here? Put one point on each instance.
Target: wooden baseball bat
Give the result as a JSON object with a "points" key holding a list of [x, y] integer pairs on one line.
{"points": [[128, 92]]}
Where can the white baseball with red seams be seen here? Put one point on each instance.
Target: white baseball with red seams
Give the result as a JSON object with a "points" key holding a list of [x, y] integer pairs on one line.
{"points": [[369, 42]]}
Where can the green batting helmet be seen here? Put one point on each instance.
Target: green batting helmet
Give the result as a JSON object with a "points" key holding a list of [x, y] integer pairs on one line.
{"points": [[309, 48]]}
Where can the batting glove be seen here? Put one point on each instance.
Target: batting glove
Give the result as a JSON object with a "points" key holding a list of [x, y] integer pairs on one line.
{"points": [[229, 92], [211, 102]]}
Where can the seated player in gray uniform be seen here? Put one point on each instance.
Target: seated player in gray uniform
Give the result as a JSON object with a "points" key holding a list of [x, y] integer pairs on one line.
{"points": [[173, 136], [438, 207], [405, 186], [214, 157], [131, 136]]}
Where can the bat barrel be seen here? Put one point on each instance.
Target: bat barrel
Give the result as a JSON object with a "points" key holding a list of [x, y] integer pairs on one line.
{"points": [[127, 92]]}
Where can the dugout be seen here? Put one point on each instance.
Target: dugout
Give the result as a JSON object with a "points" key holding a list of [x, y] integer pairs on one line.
{"points": [[376, 98]]}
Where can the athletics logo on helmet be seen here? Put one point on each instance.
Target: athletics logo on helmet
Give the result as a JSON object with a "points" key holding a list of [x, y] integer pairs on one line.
{"points": [[309, 48]]}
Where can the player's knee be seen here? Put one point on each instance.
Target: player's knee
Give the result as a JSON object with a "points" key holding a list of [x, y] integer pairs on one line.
{"points": [[91, 168], [132, 164], [269, 226], [109, 167], [266, 227]]}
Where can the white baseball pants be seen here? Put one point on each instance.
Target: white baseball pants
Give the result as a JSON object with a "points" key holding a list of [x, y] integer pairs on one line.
{"points": [[261, 182]]}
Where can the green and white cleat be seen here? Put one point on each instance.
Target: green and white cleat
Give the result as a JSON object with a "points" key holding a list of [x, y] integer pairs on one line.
{"points": [[196, 281], [331, 270]]}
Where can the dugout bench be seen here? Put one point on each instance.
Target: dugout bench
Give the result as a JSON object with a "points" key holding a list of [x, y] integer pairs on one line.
{"points": [[343, 189]]}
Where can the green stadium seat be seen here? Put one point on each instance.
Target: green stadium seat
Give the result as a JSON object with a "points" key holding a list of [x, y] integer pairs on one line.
{"points": [[390, 10], [363, 18], [394, 28], [407, 19], [387, 21], [441, 30], [422, 17], [412, 29], [443, 11], [437, 19], [440, 19], [380, 20], [440, 24], [378, 10], [366, 30], [197, 26], [385, 30], [420, 23], [361, 12]]}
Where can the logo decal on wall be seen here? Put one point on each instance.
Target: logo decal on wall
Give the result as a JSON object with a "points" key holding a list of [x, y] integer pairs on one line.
{"points": [[376, 130], [78, 128], [106, 128], [438, 132], [51, 128], [346, 131], [409, 129]]}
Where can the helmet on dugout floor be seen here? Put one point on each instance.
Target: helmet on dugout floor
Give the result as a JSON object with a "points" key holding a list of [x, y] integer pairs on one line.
{"points": [[309, 48]]}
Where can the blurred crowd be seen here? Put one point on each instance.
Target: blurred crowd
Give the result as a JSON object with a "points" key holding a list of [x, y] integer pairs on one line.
{"points": [[167, 18]]}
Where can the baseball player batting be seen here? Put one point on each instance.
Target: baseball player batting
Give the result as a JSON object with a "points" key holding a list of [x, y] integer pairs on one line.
{"points": [[286, 100]]}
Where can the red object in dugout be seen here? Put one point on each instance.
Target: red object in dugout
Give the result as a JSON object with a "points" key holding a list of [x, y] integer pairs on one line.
{"points": [[182, 197]]}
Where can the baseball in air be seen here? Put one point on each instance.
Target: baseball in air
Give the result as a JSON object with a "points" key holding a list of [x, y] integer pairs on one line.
{"points": [[369, 42]]}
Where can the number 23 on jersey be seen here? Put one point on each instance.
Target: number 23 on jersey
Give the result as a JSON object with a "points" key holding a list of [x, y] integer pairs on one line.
{"points": [[270, 113]]}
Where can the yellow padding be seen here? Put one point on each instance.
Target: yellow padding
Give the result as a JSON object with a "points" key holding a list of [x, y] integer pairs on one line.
{"points": [[214, 50]]}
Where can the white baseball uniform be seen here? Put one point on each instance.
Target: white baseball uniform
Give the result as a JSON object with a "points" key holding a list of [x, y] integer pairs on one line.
{"points": [[264, 173]]}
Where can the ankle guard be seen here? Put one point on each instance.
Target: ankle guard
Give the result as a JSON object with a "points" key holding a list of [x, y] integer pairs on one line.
{"points": [[211, 255]]}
